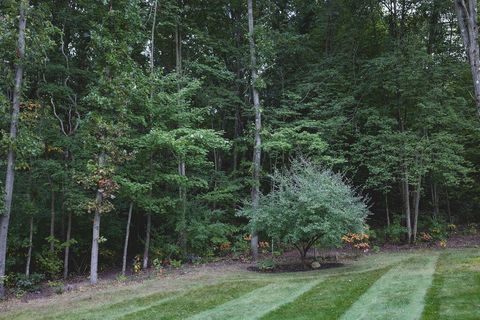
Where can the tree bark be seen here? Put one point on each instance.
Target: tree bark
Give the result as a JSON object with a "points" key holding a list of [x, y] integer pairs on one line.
{"points": [[52, 215], [183, 215], [10, 172], [30, 245], [387, 211], [435, 200], [466, 11], [127, 234], [181, 164], [417, 207], [257, 151], [449, 212], [406, 204], [147, 241], [96, 228], [67, 247]]}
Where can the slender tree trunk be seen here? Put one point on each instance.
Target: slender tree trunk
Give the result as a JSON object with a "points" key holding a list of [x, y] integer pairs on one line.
{"points": [[67, 247], [417, 207], [147, 241], [183, 215], [96, 229], [466, 11], [30, 245], [127, 234], [178, 49], [257, 150], [52, 215], [406, 204], [387, 211], [435, 200], [181, 165], [10, 172], [146, 249], [449, 212]]}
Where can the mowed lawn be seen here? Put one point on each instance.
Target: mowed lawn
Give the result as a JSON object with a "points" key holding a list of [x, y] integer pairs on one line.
{"points": [[408, 285]]}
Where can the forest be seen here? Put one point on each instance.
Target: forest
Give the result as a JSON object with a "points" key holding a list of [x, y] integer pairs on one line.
{"points": [[142, 133]]}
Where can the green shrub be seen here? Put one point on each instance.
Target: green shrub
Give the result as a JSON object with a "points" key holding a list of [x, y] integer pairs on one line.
{"points": [[395, 231], [176, 263], [471, 229], [266, 265], [22, 283], [50, 264], [157, 264], [308, 204], [57, 286], [438, 229], [209, 238], [240, 246]]}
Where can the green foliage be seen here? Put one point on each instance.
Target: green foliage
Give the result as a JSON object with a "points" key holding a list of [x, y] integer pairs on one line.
{"points": [[437, 228], [157, 264], [57, 286], [266, 265], [121, 278], [22, 283], [308, 204], [49, 262], [395, 232], [176, 263], [208, 238]]}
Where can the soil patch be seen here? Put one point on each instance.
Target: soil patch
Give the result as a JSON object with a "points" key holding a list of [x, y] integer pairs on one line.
{"points": [[295, 267]]}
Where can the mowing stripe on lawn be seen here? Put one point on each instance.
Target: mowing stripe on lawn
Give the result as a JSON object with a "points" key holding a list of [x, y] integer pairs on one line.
{"points": [[399, 294], [329, 299], [116, 310], [195, 301], [454, 293], [258, 302]]}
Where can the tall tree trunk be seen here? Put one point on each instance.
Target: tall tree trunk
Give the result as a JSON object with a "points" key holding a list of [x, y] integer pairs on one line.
{"points": [[52, 215], [10, 172], [417, 207], [146, 249], [183, 215], [30, 245], [257, 150], [147, 241], [406, 204], [127, 234], [96, 228], [449, 212], [466, 11], [387, 211], [67, 247], [435, 200], [181, 165]]}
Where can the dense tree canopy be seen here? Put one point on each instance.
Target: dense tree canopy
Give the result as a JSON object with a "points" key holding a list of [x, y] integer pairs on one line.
{"points": [[150, 107]]}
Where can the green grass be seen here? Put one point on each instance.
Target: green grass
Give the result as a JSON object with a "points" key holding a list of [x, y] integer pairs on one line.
{"points": [[329, 299], [195, 301], [407, 285], [455, 292], [258, 302], [398, 294]]}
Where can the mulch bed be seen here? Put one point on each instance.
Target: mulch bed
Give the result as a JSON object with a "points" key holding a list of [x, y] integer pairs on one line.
{"points": [[295, 267]]}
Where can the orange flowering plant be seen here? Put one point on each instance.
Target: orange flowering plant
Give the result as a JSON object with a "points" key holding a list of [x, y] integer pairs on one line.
{"points": [[357, 240]]}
